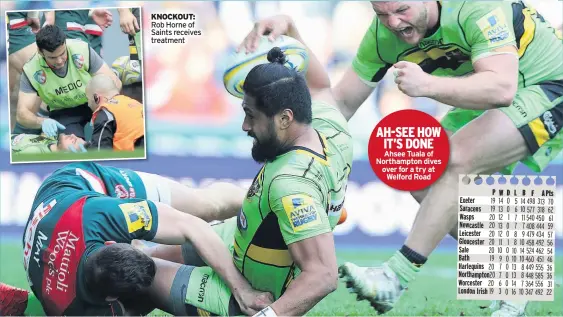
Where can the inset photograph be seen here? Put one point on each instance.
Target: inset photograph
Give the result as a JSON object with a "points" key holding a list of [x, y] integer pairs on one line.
{"points": [[75, 85]]}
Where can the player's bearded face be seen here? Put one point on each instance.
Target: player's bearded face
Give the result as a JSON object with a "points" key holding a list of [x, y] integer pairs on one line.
{"points": [[407, 20], [56, 59], [266, 145]]}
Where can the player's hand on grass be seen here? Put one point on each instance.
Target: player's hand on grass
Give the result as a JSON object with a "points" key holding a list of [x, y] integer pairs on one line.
{"points": [[252, 301], [128, 22], [51, 127], [411, 79], [272, 26], [102, 17]]}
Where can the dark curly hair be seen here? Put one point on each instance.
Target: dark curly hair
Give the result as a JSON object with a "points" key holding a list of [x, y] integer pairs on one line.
{"points": [[277, 87], [118, 270], [49, 38]]}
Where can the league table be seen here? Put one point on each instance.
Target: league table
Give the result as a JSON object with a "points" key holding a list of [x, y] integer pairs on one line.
{"points": [[506, 237]]}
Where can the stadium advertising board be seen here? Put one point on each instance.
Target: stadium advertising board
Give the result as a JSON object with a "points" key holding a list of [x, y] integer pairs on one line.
{"points": [[377, 214]]}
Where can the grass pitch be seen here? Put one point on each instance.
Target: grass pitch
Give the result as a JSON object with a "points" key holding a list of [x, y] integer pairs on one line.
{"points": [[433, 293], [88, 156]]}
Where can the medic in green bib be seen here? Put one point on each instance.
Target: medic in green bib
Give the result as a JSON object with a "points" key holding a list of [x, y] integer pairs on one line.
{"points": [[76, 244], [57, 75]]}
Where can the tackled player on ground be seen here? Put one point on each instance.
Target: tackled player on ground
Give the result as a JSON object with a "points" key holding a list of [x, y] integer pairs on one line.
{"points": [[77, 254]]}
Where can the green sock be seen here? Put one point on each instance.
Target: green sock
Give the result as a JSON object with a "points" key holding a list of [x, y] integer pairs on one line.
{"points": [[34, 307], [405, 269]]}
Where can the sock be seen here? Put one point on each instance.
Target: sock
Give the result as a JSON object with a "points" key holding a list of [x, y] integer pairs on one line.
{"points": [[207, 292], [34, 307], [413, 256], [405, 269]]}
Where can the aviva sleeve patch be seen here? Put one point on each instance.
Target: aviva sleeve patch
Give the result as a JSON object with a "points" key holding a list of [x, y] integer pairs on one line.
{"points": [[301, 212], [495, 27], [137, 215]]}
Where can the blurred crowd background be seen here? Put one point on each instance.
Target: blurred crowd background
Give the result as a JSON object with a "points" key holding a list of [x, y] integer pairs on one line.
{"points": [[194, 125]]}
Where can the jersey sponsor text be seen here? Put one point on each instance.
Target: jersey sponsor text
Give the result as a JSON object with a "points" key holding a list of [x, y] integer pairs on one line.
{"points": [[67, 88]]}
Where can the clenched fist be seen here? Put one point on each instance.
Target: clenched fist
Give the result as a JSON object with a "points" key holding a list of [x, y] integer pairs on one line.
{"points": [[411, 79]]}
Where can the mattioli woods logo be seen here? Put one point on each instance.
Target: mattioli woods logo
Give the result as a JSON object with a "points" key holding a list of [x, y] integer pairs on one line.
{"points": [[40, 76]]}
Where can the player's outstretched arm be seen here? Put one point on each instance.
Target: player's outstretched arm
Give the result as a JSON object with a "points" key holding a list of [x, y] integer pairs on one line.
{"points": [[317, 77], [217, 201], [350, 93], [49, 18], [104, 69], [495, 60], [299, 206], [127, 21], [226, 200], [102, 17], [33, 21], [107, 71], [316, 258], [493, 84], [176, 227]]}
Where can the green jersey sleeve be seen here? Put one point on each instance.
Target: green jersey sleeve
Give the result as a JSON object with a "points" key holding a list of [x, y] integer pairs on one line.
{"points": [[31, 144], [487, 26], [367, 63], [299, 206], [120, 220]]}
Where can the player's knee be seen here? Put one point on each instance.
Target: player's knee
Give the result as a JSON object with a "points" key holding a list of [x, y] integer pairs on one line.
{"points": [[330, 278], [462, 160]]}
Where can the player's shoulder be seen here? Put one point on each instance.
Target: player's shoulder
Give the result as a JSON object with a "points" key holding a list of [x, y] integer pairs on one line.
{"points": [[19, 138], [75, 41], [288, 163], [296, 165], [74, 44], [456, 13], [120, 103], [14, 15], [124, 100], [85, 169], [102, 211], [328, 119], [30, 62], [83, 164]]}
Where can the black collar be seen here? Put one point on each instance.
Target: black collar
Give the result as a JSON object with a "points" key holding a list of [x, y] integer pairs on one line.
{"points": [[432, 31]]}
